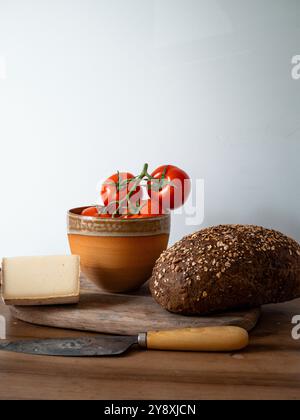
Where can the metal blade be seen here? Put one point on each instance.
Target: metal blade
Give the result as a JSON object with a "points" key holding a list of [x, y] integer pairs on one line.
{"points": [[73, 347]]}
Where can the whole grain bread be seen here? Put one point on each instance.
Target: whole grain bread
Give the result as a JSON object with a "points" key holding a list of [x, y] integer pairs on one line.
{"points": [[226, 267]]}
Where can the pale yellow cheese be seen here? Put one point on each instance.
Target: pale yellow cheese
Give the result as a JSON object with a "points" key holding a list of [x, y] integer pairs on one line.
{"points": [[41, 280]]}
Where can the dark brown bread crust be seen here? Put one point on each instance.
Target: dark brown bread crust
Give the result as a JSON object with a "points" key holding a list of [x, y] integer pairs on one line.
{"points": [[225, 267]]}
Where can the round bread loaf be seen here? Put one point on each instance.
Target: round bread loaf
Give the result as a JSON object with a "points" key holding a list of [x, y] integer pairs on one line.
{"points": [[225, 267]]}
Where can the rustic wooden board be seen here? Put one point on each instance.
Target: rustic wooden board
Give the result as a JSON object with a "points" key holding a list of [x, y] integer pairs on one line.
{"points": [[124, 314]]}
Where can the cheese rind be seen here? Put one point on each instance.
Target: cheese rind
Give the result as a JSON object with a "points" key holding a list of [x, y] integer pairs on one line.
{"points": [[41, 280]]}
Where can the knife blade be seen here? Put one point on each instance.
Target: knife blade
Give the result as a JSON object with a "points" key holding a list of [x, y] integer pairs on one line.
{"points": [[73, 347], [216, 339]]}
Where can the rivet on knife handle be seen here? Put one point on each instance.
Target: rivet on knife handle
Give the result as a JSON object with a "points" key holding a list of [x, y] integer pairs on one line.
{"points": [[216, 339]]}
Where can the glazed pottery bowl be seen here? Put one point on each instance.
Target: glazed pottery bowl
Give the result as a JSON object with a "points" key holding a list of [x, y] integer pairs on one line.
{"points": [[118, 255]]}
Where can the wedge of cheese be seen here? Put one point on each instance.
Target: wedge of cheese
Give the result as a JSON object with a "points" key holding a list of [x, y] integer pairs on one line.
{"points": [[40, 280]]}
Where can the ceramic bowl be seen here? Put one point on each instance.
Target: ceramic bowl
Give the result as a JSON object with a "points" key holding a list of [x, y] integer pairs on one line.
{"points": [[118, 255]]}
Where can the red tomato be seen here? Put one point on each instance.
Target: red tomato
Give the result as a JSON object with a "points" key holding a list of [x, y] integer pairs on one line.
{"points": [[93, 212], [150, 208], [116, 189], [170, 196]]}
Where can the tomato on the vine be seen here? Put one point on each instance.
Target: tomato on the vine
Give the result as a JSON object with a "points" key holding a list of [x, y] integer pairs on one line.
{"points": [[170, 187], [115, 190]]}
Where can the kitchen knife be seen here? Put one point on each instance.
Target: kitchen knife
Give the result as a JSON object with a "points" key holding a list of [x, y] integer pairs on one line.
{"points": [[215, 339]]}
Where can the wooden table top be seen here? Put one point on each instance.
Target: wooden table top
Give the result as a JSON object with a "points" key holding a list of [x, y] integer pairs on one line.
{"points": [[268, 369]]}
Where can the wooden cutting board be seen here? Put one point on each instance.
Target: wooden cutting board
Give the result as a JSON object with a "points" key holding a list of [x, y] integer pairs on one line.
{"points": [[125, 314]]}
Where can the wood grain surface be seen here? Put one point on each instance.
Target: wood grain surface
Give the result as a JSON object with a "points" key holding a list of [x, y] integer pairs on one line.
{"points": [[268, 369], [124, 314]]}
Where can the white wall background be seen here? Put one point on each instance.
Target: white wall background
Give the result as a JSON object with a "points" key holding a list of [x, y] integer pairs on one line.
{"points": [[91, 86]]}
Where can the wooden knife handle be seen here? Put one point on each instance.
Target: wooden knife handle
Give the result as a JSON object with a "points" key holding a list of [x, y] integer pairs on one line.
{"points": [[215, 339]]}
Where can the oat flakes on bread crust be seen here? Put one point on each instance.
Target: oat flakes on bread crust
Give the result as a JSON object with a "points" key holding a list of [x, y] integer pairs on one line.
{"points": [[226, 267]]}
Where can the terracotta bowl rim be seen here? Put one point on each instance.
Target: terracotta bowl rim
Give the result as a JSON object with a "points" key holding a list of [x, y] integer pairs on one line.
{"points": [[72, 212]]}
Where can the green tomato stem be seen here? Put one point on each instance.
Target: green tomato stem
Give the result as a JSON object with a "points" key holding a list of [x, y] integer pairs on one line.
{"points": [[137, 182]]}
